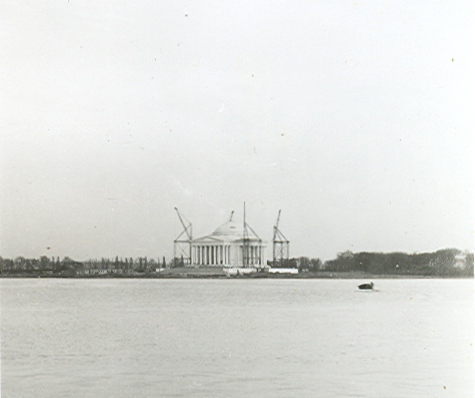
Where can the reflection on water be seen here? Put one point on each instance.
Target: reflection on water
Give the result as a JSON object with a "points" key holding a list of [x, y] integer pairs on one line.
{"points": [[235, 338]]}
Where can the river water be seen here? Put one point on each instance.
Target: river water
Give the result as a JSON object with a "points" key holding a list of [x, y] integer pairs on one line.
{"points": [[236, 338]]}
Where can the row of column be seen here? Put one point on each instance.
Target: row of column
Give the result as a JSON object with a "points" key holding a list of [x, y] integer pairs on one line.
{"points": [[211, 254], [254, 254], [221, 255]]}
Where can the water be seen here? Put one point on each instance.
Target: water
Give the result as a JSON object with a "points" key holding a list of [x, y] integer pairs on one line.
{"points": [[236, 338]]}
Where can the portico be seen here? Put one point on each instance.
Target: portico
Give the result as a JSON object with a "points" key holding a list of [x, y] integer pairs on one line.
{"points": [[227, 247]]}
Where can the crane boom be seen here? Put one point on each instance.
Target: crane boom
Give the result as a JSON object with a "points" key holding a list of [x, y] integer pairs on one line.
{"points": [[185, 227], [182, 244], [276, 227], [179, 216], [280, 246]]}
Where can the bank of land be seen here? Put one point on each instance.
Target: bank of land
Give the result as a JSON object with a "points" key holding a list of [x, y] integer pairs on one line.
{"points": [[446, 263]]}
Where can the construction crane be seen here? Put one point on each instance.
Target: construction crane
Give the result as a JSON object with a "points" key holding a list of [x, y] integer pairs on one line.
{"points": [[276, 226], [182, 243], [250, 257], [280, 246], [245, 241]]}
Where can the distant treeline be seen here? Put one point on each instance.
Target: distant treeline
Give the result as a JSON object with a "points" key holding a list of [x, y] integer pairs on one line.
{"points": [[302, 263], [444, 263], [67, 266]]}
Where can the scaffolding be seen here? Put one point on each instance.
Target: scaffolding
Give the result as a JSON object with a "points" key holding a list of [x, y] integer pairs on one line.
{"points": [[250, 257], [182, 243], [280, 247]]}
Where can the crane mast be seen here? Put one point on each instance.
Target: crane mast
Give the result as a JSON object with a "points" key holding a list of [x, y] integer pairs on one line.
{"points": [[280, 247], [182, 243], [245, 241], [251, 256]]}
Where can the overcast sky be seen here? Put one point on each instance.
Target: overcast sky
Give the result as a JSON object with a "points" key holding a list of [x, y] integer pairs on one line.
{"points": [[353, 117]]}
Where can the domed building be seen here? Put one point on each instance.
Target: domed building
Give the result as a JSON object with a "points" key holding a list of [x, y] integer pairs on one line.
{"points": [[230, 245]]}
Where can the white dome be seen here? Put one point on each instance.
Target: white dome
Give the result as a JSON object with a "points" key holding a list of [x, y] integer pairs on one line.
{"points": [[229, 230]]}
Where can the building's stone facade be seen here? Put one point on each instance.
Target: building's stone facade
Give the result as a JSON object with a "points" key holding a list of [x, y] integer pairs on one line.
{"points": [[225, 248]]}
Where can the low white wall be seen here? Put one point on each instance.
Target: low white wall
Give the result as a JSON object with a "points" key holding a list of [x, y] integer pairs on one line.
{"points": [[239, 271], [283, 271]]}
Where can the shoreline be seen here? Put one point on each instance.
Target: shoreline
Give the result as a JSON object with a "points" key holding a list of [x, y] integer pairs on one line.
{"points": [[178, 273]]}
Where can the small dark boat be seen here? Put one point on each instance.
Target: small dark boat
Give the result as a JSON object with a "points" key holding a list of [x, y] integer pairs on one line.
{"points": [[366, 286]]}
